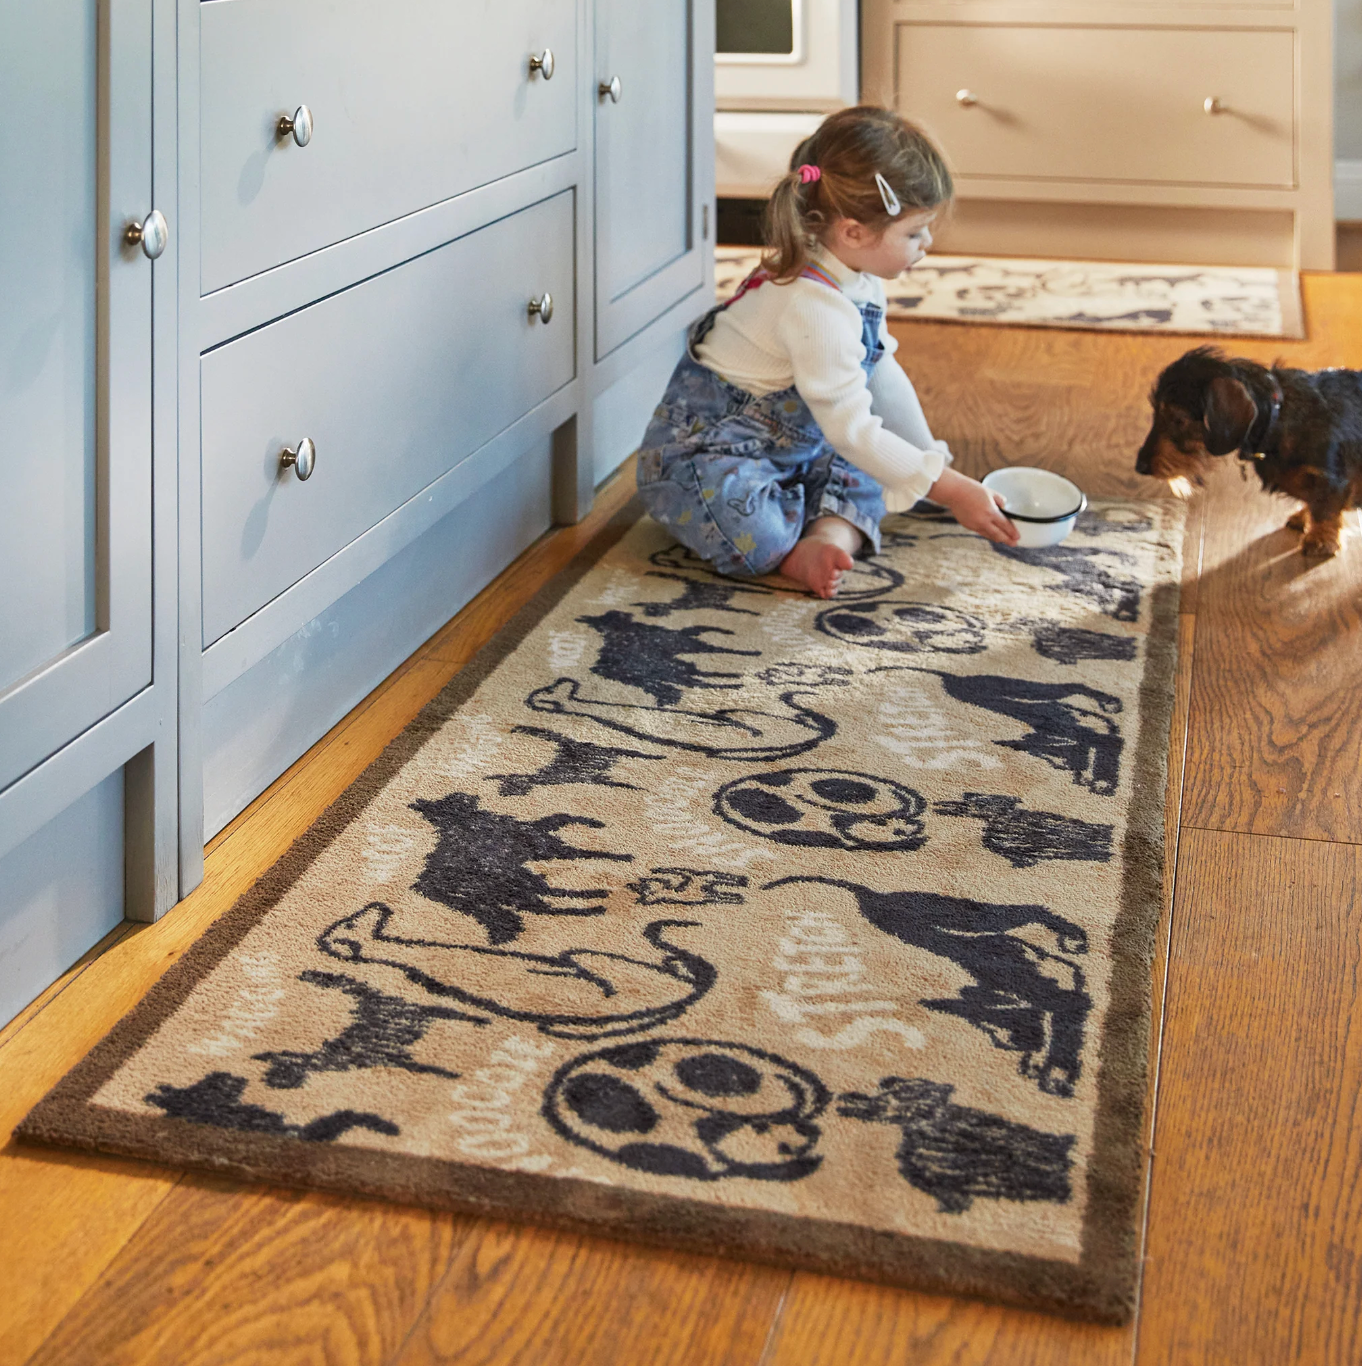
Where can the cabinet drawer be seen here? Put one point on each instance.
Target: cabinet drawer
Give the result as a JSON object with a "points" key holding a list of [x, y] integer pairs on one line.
{"points": [[395, 380], [411, 103], [1104, 103]]}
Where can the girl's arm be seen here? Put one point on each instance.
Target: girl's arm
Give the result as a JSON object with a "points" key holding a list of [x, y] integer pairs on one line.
{"points": [[894, 399], [821, 332]]}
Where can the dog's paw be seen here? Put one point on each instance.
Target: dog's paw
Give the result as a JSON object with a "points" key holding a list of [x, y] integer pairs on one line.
{"points": [[1298, 521], [1319, 547]]}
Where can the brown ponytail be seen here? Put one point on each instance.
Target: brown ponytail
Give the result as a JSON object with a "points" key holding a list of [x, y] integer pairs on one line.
{"points": [[849, 148]]}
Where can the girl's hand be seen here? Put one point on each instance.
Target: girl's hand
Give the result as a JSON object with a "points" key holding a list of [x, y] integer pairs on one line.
{"points": [[976, 508]]}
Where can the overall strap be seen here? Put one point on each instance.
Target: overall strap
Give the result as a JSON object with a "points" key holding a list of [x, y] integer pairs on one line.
{"points": [[760, 276], [814, 272]]}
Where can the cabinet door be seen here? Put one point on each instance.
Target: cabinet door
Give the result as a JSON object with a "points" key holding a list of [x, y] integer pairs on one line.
{"points": [[75, 370], [648, 216]]}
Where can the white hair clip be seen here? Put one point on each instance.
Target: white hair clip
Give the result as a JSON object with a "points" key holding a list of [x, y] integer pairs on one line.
{"points": [[891, 201]]}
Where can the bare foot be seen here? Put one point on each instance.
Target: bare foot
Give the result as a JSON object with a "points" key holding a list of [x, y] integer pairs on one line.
{"points": [[817, 564]]}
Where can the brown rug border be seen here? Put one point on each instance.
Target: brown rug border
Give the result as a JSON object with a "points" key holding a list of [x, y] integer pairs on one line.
{"points": [[1101, 1287]]}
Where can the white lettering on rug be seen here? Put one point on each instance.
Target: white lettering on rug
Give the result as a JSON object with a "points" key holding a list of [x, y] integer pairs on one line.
{"points": [[617, 590], [253, 1006], [470, 741], [567, 649], [386, 846], [669, 816], [912, 725], [825, 977], [485, 1101]]}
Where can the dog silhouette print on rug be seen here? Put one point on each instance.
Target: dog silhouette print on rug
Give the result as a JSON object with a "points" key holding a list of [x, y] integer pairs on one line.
{"points": [[957, 1154], [698, 595], [1028, 1000], [380, 1034], [1070, 723], [1026, 838], [216, 1100], [577, 761], [479, 866], [1084, 573], [580, 993], [654, 658], [739, 733]]}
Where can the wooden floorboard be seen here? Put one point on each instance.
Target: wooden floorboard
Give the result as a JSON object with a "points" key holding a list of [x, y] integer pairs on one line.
{"points": [[1255, 1242], [222, 1274], [1277, 727], [524, 1297], [1252, 1219]]}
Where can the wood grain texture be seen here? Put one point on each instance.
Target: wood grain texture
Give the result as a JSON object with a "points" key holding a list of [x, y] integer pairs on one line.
{"points": [[1277, 727], [842, 1323], [522, 1297], [63, 1219], [220, 1274], [1255, 1243]]}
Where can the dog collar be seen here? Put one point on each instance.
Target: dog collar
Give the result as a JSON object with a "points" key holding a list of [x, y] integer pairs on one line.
{"points": [[1254, 445]]}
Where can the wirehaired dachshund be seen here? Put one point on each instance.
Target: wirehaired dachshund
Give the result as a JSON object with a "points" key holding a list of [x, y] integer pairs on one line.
{"points": [[1301, 429]]}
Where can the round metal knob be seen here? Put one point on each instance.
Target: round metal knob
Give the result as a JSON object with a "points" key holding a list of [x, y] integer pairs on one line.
{"points": [[151, 234], [543, 64], [1213, 105], [543, 308], [612, 88], [299, 126], [303, 459], [966, 97]]}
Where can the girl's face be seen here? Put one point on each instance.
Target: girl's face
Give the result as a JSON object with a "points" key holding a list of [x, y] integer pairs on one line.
{"points": [[887, 253]]}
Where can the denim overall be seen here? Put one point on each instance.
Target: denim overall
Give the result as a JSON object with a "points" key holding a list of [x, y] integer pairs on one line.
{"points": [[737, 478]]}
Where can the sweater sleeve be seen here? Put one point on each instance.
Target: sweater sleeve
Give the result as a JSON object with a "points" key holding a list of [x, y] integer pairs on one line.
{"points": [[821, 332], [893, 397]]}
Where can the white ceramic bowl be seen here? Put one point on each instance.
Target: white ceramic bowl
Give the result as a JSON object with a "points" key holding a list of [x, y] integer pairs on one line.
{"points": [[1042, 505]]}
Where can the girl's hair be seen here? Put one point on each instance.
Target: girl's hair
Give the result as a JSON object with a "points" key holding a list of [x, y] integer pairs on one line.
{"points": [[848, 148]]}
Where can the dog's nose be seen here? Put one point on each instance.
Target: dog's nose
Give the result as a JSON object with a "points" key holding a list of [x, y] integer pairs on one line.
{"points": [[1144, 462]]}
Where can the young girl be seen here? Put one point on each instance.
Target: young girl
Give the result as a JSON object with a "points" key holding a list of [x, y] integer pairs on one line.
{"points": [[788, 429]]}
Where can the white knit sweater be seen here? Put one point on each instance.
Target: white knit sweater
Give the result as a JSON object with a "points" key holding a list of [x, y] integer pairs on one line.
{"points": [[809, 335]]}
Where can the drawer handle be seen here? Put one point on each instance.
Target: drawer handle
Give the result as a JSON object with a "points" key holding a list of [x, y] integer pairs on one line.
{"points": [[612, 88], [1213, 105], [299, 126], [151, 234], [967, 98], [543, 65], [543, 308], [303, 460]]}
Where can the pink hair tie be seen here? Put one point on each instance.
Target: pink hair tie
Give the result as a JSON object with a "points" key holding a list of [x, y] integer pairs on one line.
{"points": [[808, 174]]}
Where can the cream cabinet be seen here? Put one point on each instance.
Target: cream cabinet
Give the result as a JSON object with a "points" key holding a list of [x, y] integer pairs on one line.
{"points": [[1200, 131]]}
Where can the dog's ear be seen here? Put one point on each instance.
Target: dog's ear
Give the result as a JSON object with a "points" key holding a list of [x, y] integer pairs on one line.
{"points": [[1230, 415]]}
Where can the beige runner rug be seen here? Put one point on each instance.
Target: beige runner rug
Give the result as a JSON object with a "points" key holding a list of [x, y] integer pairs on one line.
{"points": [[1101, 296], [710, 914]]}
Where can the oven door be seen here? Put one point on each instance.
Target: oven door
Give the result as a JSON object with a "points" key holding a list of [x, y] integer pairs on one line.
{"points": [[785, 54]]}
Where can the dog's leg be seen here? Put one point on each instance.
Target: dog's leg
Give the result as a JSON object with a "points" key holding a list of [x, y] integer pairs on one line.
{"points": [[1299, 520], [1326, 528]]}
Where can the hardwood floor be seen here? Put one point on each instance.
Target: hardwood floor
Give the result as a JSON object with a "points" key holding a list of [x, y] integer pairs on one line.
{"points": [[1254, 1235]]}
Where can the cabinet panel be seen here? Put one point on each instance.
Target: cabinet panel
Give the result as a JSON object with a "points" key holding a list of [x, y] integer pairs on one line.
{"points": [[395, 380], [410, 104], [647, 253], [75, 371], [1105, 104]]}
